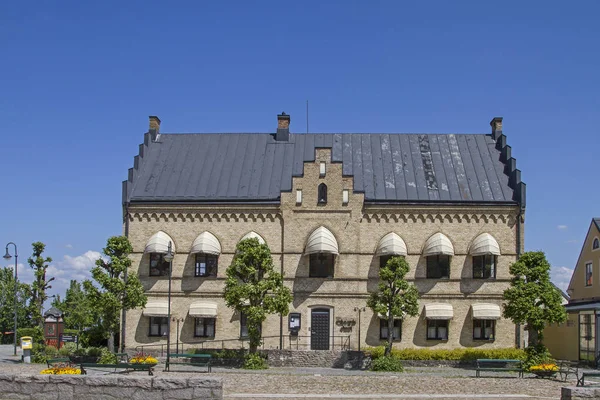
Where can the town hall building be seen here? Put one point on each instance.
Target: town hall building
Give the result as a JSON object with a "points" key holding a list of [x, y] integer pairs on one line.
{"points": [[332, 208]]}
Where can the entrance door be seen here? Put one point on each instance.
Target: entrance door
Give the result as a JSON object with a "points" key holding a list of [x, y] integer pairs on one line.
{"points": [[319, 330]]}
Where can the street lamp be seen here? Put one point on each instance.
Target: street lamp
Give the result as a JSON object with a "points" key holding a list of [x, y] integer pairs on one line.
{"points": [[7, 256], [359, 309], [169, 258]]}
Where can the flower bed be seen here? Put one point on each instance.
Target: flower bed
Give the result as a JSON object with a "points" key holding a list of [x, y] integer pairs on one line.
{"points": [[61, 369], [544, 370], [142, 358]]}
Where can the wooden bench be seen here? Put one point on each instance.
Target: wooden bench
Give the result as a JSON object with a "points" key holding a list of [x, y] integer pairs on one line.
{"points": [[195, 360], [566, 368], [485, 364], [125, 366], [53, 361]]}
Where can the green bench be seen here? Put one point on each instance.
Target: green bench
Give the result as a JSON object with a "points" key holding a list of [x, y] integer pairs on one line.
{"points": [[53, 361], [485, 364], [125, 366], [195, 360], [566, 368], [581, 381]]}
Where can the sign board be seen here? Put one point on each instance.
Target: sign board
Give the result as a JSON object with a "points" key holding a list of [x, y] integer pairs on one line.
{"points": [[69, 338]]}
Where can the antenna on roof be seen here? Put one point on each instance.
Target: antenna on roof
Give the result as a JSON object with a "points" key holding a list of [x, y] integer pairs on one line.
{"points": [[306, 116]]}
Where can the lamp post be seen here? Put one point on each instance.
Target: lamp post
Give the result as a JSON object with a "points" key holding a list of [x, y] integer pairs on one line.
{"points": [[7, 256], [359, 309], [169, 258], [178, 320]]}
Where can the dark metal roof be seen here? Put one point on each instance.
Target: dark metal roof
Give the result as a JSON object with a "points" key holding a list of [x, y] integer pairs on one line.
{"points": [[597, 222], [385, 167], [53, 311]]}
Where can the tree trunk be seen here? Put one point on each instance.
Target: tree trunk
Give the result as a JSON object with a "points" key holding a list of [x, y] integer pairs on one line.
{"points": [[111, 342], [533, 337], [390, 339]]}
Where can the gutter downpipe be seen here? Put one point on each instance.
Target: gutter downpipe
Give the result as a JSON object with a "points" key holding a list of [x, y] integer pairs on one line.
{"points": [[123, 312], [518, 251], [282, 281]]}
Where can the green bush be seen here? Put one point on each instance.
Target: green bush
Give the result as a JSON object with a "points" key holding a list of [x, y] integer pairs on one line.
{"points": [[391, 364], [469, 354], [106, 357], [80, 352], [36, 333], [255, 361], [535, 355], [94, 352]]}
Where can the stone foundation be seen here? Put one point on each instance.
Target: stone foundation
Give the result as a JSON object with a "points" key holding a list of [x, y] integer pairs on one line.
{"points": [[74, 387], [300, 358], [579, 393]]}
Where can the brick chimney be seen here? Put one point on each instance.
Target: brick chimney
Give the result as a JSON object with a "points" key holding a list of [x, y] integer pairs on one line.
{"points": [[496, 125], [154, 126], [283, 127]]}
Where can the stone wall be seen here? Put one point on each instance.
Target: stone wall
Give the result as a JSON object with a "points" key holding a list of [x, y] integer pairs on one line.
{"points": [[579, 393], [299, 358], [73, 387]]}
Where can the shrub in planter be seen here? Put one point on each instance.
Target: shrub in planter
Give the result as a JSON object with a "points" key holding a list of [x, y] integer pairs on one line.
{"points": [[255, 361], [390, 364], [105, 356]]}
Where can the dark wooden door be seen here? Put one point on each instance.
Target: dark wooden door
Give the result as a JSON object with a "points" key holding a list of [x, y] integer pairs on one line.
{"points": [[319, 329]]}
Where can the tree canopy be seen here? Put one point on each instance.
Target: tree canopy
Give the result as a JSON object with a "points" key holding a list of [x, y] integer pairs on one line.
{"points": [[40, 284], [7, 304], [254, 288], [395, 297], [117, 290], [532, 299]]}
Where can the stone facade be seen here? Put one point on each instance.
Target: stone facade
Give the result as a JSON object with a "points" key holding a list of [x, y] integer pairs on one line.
{"points": [[71, 387], [357, 227]]}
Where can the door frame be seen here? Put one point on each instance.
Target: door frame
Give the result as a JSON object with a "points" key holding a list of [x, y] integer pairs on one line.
{"points": [[331, 325]]}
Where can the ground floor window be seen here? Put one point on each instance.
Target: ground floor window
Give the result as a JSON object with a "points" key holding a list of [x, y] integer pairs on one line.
{"points": [[437, 329], [484, 329], [383, 329], [204, 327], [587, 337], [158, 326], [244, 326]]}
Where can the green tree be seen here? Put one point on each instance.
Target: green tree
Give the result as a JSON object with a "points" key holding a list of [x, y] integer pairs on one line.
{"points": [[40, 284], [77, 309], [395, 298], [117, 290], [531, 299], [254, 288], [7, 304]]}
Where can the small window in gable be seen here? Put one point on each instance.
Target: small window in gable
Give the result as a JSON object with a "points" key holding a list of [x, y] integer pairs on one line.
{"points": [[596, 244], [322, 193]]}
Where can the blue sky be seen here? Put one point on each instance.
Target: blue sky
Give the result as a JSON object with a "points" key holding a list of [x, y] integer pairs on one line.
{"points": [[79, 79]]}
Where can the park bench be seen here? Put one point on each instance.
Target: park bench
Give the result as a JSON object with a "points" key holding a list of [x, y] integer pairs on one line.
{"points": [[484, 364], [195, 360], [53, 361], [124, 366], [566, 368], [581, 380]]}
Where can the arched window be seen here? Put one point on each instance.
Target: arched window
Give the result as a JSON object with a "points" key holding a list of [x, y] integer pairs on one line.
{"points": [[322, 193], [596, 244]]}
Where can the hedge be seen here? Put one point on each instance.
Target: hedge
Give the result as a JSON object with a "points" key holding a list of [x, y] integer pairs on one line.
{"points": [[469, 354]]}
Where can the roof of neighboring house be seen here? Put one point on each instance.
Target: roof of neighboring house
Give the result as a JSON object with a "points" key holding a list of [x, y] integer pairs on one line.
{"points": [[597, 222], [385, 167]]}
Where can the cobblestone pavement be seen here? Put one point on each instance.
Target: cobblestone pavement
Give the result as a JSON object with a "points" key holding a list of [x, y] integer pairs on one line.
{"points": [[416, 383], [327, 383]]}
